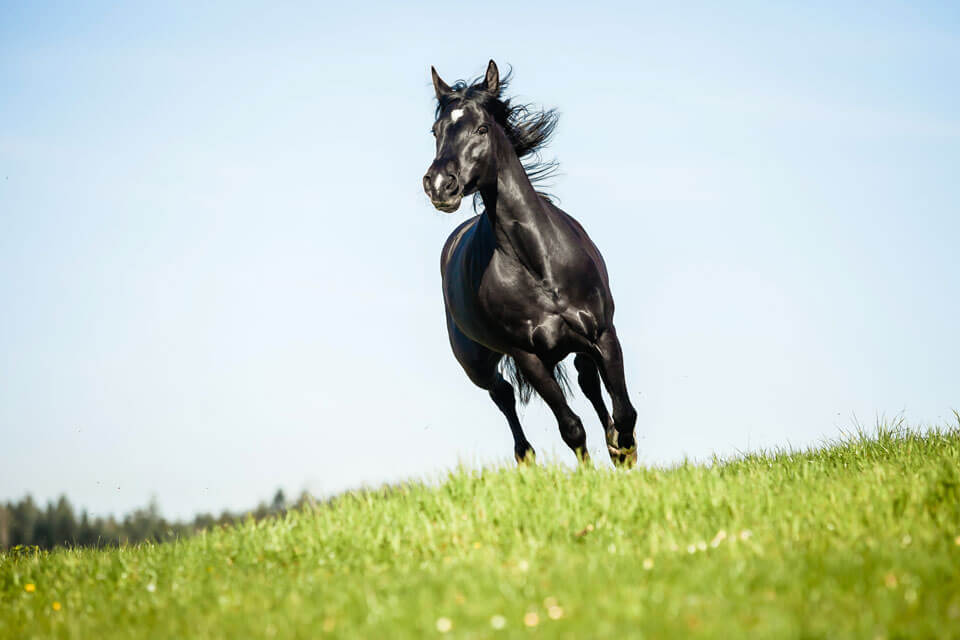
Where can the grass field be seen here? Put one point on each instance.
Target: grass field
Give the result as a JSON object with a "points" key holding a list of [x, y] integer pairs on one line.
{"points": [[857, 539]]}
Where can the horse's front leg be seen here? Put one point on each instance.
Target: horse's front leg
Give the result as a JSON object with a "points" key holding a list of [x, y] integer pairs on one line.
{"points": [[623, 451], [543, 382]]}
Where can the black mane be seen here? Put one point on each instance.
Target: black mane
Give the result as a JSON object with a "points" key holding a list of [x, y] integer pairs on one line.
{"points": [[528, 129]]}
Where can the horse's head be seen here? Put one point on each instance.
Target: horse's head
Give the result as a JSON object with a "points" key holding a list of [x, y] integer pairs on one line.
{"points": [[467, 136]]}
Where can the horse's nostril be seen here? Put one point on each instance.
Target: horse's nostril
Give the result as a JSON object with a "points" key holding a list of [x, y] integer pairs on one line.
{"points": [[451, 184]]}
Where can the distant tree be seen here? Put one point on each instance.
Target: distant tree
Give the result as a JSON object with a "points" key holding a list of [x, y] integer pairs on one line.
{"points": [[203, 521], [279, 501], [24, 523], [88, 533], [63, 524], [25, 517], [6, 524], [144, 524]]}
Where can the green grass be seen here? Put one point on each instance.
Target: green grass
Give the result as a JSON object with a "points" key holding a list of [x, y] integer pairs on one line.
{"points": [[857, 539]]}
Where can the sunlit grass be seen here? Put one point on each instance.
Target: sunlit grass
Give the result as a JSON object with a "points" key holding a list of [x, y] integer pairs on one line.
{"points": [[856, 539]]}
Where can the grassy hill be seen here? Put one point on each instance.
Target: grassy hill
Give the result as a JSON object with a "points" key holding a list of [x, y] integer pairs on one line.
{"points": [[857, 539]]}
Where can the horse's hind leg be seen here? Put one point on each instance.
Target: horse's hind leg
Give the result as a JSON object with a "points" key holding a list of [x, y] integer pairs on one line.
{"points": [[588, 376], [624, 450], [480, 365]]}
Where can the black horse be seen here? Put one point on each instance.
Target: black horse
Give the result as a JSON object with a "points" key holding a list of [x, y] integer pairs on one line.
{"points": [[522, 279]]}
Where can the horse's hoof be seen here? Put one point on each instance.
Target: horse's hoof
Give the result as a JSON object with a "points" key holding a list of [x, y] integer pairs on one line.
{"points": [[622, 457], [625, 457], [528, 457]]}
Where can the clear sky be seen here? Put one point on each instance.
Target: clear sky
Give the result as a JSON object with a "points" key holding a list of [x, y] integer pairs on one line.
{"points": [[219, 274]]}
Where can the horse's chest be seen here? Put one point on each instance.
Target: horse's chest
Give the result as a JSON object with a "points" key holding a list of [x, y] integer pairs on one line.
{"points": [[528, 312]]}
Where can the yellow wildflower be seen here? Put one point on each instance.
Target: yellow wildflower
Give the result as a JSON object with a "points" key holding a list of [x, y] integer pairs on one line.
{"points": [[56, 606], [531, 619], [29, 587]]}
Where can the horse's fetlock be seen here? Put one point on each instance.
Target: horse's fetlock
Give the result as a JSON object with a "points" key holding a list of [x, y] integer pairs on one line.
{"points": [[626, 420]]}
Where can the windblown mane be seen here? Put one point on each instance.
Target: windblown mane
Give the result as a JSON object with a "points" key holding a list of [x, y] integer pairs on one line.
{"points": [[529, 129]]}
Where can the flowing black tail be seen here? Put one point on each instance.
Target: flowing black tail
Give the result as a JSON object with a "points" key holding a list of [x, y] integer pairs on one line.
{"points": [[522, 387]]}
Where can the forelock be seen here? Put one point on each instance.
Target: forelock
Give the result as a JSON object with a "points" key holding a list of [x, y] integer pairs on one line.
{"points": [[476, 93], [528, 129]]}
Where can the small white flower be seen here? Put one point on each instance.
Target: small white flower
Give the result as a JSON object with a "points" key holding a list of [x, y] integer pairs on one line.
{"points": [[444, 625], [717, 539], [648, 563], [498, 622], [151, 587]]}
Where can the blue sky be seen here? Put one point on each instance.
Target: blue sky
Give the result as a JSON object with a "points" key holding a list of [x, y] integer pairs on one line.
{"points": [[219, 274]]}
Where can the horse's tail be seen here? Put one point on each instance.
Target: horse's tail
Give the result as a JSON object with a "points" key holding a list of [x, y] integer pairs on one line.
{"points": [[522, 386]]}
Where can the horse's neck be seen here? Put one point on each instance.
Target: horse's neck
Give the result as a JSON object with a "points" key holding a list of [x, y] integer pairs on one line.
{"points": [[521, 222]]}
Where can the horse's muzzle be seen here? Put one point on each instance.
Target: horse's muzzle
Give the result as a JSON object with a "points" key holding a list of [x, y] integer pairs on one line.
{"points": [[448, 206], [443, 188]]}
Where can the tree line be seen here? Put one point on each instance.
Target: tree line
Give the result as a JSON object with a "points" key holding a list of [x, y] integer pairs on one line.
{"points": [[58, 524]]}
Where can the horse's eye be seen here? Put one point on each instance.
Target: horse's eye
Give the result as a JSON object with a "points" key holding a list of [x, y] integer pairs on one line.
{"points": [[482, 129]]}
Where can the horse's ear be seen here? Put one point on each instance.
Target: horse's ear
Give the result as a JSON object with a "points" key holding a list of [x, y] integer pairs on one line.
{"points": [[441, 88], [493, 78]]}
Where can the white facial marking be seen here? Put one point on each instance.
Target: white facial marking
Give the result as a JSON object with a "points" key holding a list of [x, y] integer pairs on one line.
{"points": [[456, 114], [437, 182]]}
